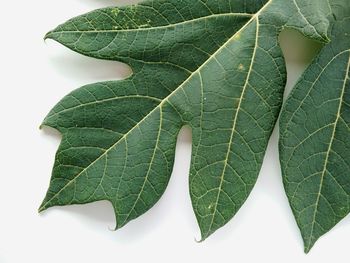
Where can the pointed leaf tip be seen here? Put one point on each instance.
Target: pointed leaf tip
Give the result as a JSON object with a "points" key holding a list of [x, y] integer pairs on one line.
{"points": [[314, 149]]}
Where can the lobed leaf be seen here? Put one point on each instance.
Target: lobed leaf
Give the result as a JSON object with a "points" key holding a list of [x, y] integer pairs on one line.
{"points": [[214, 65]]}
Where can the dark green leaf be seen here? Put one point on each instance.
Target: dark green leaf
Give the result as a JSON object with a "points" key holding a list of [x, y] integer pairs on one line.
{"points": [[315, 133], [214, 65]]}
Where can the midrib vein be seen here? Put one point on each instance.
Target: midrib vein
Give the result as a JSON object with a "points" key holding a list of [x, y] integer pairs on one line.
{"points": [[235, 123], [328, 152], [255, 16], [289, 121], [149, 167], [102, 101], [151, 28]]}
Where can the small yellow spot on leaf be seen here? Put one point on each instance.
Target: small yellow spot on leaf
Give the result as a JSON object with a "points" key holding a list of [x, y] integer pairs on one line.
{"points": [[115, 11], [241, 67]]}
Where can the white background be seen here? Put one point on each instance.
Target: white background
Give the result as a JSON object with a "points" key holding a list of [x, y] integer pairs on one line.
{"points": [[34, 76]]}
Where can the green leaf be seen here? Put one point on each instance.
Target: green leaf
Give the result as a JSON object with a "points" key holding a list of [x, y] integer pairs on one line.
{"points": [[214, 65], [315, 132]]}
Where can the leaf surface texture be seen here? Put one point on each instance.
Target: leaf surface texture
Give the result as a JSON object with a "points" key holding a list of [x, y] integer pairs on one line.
{"points": [[213, 65], [315, 130]]}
